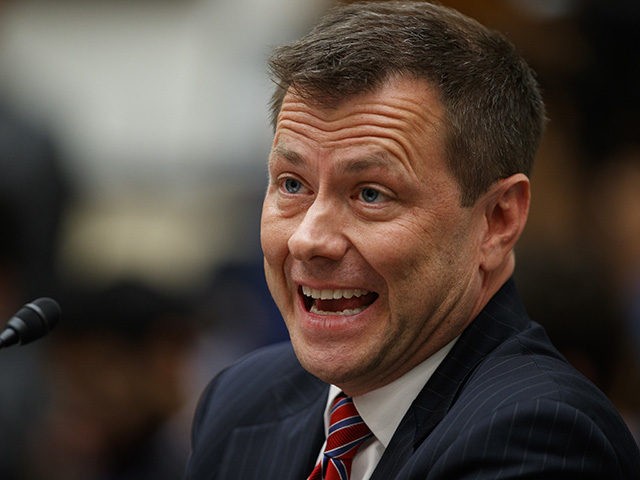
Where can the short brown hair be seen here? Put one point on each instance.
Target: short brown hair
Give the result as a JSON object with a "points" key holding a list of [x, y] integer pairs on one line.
{"points": [[495, 114]]}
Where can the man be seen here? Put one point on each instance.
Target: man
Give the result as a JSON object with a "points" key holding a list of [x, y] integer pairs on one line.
{"points": [[404, 134]]}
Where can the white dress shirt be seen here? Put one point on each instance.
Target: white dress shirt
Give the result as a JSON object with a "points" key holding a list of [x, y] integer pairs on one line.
{"points": [[383, 409]]}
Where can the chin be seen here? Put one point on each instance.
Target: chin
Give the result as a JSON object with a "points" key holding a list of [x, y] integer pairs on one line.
{"points": [[336, 365]]}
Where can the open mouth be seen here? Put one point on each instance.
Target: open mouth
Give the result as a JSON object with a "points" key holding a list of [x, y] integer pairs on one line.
{"points": [[342, 301]]}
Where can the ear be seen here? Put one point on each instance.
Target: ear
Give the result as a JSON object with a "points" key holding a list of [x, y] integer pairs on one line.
{"points": [[506, 207]]}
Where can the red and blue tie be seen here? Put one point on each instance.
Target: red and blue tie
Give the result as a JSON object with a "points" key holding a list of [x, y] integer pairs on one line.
{"points": [[347, 431]]}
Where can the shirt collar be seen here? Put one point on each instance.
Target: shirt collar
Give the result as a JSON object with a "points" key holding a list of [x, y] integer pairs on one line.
{"points": [[382, 409]]}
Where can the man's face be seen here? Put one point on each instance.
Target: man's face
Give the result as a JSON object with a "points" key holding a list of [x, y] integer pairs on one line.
{"points": [[368, 254]]}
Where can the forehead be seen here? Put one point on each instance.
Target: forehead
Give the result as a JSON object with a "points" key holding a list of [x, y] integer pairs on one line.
{"points": [[404, 117]]}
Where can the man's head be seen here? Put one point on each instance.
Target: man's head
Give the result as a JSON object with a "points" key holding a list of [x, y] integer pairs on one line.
{"points": [[494, 111], [380, 246]]}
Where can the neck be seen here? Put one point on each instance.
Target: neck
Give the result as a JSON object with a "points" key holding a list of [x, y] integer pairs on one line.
{"points": [[493, 281]]}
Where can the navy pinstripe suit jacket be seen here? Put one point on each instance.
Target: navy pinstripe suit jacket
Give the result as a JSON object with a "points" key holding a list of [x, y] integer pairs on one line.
{"points": [[503, 404]]}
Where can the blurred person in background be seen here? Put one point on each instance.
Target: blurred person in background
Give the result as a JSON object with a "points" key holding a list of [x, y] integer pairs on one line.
{"points": [[116, 372], [33, 196], [615, 200], [609, 105]]}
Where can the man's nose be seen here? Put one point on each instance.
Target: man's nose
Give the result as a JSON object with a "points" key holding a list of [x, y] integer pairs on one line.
{"points": [[320, 234]]}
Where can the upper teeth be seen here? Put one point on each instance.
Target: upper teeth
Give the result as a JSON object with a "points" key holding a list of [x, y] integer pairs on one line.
{"points": [[328, 294]]}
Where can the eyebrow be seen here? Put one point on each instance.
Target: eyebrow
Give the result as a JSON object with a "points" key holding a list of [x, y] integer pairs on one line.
{"points": [[292, 157], [374, 160]]}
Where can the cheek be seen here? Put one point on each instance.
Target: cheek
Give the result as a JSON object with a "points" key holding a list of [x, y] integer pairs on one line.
{"points": [[274, 267], [417, 259], [398, 250], [273, 238], [401, 261]]}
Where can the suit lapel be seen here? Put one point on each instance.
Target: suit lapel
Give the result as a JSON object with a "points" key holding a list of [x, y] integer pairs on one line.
{"points": [[504, 316]]}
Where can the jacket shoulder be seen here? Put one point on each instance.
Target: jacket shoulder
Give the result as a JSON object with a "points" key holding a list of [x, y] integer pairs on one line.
{"points": [[261, 387], [525, 401]]}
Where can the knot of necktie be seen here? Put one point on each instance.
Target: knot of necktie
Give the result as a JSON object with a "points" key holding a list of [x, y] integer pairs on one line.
{"points": [[347, 432]]}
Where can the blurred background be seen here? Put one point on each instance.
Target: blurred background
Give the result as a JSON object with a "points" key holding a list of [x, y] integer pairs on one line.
{"points": [[133, 141]]}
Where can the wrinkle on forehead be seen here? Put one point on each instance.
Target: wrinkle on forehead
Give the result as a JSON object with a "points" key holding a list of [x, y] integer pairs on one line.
{"points": [[406, 112], [388, 108]]}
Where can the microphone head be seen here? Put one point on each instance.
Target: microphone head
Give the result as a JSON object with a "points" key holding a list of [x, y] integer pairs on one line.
{"points": [[35, 319]]}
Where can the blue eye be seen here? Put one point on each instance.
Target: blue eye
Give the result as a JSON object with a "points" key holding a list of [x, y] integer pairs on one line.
{"points": [[369, 195], [291, 185]]}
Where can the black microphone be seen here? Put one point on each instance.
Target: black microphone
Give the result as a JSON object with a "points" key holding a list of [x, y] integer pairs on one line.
{"points": [[31, 322]]}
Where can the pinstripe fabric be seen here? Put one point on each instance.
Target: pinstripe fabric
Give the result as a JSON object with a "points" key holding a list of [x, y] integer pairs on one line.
{"points": [[266, 403], [502, 405]]}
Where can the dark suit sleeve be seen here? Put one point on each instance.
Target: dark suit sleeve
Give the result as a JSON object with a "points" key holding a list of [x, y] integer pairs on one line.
{"points": [[541, 438]]}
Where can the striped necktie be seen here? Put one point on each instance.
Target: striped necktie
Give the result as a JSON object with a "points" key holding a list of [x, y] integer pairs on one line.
{"points": [[347, 431]]}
